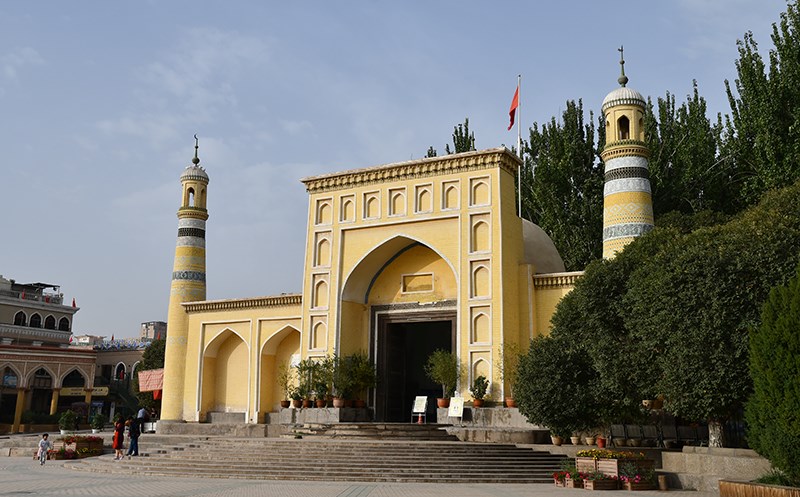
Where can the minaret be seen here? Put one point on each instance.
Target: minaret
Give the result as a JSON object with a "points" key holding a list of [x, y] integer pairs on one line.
{"points": [[627, 198], [188, 283]]}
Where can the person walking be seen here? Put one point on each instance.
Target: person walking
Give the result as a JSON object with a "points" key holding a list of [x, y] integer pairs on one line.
{"points": [[44, 447], [134, 431], [117, 442]]}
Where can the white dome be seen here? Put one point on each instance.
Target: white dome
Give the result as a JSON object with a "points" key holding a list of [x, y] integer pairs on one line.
{"points": [[193, 171], [540, 251], [623, 95]]}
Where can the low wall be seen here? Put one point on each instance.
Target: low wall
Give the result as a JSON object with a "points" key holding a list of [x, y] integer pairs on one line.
{"points": [[211, 429], [323, 415], [701, 468]]}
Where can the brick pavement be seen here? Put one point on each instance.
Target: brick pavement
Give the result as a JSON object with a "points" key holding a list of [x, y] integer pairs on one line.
{"points": [[23, 476]]}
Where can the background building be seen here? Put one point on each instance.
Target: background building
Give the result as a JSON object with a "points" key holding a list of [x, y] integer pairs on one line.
{"points": [[153, 330]]}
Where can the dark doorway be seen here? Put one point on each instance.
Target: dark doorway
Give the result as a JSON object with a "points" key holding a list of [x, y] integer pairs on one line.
{"points": [[404, 344]]}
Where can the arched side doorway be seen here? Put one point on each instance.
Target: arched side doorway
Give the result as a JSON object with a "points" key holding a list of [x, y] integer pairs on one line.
{"points": [[408, 294], [225, 370], [281, 349]]}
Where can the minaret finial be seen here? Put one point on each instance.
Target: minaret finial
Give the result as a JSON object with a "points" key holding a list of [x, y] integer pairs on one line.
{"points": [[196, 159], [622, 80]]}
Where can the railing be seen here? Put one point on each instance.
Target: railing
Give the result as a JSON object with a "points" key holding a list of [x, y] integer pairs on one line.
{"points": [[48, 298]]}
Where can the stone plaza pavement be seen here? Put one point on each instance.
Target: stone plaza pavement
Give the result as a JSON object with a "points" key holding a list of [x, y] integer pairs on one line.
{"points": [[23, 476]]}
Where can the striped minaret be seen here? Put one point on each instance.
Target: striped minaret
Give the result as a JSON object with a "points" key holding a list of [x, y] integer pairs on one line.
{"points": [[188, 283], [627, 199]]}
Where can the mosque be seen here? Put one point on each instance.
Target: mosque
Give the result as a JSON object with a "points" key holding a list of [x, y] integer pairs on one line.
{"points": [[400, 260]]}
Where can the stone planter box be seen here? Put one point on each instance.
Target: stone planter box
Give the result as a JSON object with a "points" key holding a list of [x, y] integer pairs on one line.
{"points": [[747, 489]]}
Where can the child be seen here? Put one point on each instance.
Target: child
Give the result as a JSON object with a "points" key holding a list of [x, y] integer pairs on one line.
{"points": [[44, 447]]}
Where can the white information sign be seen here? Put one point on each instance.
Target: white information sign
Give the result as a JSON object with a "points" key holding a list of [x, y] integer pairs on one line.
{"points": [[420, 404], [456, 407]]}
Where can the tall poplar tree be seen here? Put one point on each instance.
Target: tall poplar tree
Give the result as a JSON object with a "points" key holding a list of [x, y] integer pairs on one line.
{"points": [[762, 133], [562, 185]]}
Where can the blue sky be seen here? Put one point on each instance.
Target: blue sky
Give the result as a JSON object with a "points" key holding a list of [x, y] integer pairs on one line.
{"points": [[99, 101]]}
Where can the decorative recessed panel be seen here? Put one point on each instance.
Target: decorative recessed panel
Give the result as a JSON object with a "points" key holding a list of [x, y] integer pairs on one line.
{"points": [[417, 283]]}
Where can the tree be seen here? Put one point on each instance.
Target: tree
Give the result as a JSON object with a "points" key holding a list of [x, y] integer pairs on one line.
{"points": [[562, 185], [685, 173], [762, 134], [695, 301], [463, 140], [593, 316], [431, 152], [771, 412], [152, 358], [558, 387]]}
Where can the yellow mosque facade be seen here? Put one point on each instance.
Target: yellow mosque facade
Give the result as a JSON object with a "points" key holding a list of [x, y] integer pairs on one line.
{"points": [[400, 260]]}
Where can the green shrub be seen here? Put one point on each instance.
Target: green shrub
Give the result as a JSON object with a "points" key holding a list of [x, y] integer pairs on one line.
{"points": [[771, 413]]}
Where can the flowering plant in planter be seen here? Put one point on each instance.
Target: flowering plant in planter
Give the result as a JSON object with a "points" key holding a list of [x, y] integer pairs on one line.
{"points": [[609, 454], [560, 476], [632, 473]]}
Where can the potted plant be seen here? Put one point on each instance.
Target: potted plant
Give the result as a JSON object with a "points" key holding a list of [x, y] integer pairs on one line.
{"points": [[599, 481], [479, 386], [305, 380], [343, 380], [98, 421], [297, 398], [365, 377], [66, 421], [443, 368], [509, 362], [285, 380]]}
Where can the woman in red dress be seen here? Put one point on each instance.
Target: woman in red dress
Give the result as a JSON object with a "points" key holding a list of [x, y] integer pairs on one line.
{"points": [[119, 437]]}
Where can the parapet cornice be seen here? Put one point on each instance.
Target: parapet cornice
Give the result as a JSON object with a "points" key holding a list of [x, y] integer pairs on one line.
{"points": [[556, 280], [287, 299], [420, 168], [193, 213]]}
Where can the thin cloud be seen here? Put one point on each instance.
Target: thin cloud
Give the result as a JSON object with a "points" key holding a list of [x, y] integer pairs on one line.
{"points": [[17, 59]]}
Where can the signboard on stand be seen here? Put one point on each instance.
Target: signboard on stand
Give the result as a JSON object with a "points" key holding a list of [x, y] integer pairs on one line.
{"points": [[456, 409]]}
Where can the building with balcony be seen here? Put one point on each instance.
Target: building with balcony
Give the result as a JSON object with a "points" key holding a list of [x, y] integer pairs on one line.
{"points": [[37, 361]]}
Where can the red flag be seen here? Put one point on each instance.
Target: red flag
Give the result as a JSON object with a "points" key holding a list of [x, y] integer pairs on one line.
{"points": [[73, 301], [70, 339], [112, 337], [158, 337], [156, 394], [513, 110], [22, 296]]}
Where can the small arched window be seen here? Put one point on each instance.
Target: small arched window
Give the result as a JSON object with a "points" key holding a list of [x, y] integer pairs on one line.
{"points": [[624, 128], [191, 197], [20, 319], [36, 320], [63, 324], [50, 323]]}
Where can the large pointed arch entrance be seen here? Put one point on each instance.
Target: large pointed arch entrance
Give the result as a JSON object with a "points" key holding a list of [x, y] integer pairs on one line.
{"points": [[406, 293]]}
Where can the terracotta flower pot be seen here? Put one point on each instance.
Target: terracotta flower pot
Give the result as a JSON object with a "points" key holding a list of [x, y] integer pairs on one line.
{"points": [[477, 403], [360, 404], [338, 403], [321, 403], [510, 402], [306, 403], [297, 403], [601, 443], [443, 402], [285, 404], [556, 440]]}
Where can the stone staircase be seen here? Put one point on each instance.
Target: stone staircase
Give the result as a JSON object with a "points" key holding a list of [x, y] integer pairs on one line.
{"points": [[325, 459], [372, 431]]}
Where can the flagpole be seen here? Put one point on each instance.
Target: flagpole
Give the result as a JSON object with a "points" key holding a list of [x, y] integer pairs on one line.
{"points": [[519, 147]]}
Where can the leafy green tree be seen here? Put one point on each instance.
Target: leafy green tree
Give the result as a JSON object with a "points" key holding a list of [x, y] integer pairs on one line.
{"points": [[562, 185], [685, 173], [463, 140], [771, 412], [152, 358], [431, 152], [557, 387], [593, 315], [695, 301], [762, 135]]}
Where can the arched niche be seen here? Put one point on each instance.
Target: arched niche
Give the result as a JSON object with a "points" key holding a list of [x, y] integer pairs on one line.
{"points": [[226, 366]]}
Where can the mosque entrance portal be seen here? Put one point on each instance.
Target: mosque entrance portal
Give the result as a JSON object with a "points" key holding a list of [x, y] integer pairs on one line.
{"points": [[404, 343]]}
